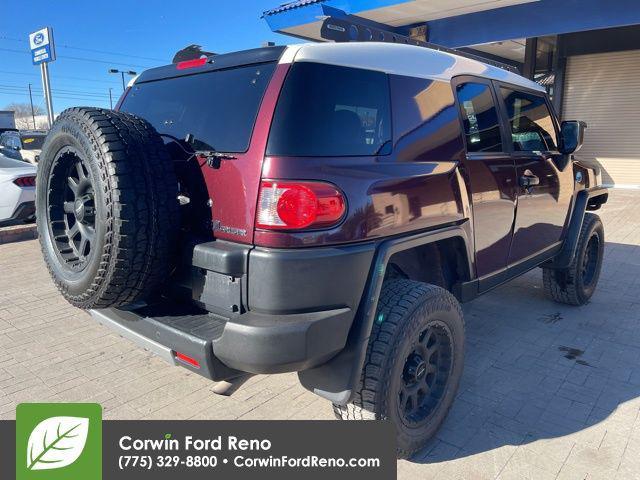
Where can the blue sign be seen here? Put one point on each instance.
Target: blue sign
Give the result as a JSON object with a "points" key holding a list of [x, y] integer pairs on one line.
{"points": [[42, 48]]}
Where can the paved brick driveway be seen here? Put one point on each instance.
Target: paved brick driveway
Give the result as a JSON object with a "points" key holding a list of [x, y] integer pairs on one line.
{"points": [[548, 392]]}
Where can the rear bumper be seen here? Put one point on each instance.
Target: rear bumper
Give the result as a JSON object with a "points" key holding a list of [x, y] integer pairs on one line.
{"points": [[265, 311], [24, 212], [258, 344]]}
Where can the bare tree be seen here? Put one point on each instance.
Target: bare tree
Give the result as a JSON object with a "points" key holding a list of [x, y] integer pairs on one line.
{"points": [[24, 119]]}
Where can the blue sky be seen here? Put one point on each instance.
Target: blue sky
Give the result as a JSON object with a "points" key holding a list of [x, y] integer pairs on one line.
{"points": [[135, 34]]}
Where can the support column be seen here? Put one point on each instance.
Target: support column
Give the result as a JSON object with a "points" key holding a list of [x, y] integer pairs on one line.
{"points": [[559, 68], [530, 50]]}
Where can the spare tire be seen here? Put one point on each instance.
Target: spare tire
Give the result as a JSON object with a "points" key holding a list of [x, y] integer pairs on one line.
{"points": [[106, 207]]}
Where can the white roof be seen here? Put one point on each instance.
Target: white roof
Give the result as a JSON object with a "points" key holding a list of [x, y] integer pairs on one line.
{"points": [[400, 59]]}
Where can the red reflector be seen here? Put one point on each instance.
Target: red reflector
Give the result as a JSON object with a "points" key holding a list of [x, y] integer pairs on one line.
{"points": [[197, 62], [25, 181], [187, 359], [298, 205]]}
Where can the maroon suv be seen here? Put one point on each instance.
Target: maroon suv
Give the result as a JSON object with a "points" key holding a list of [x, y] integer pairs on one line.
{"points": [[318, 208]]}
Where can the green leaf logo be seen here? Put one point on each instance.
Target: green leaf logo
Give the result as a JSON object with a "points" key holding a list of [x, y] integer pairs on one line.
{"points": [[56, 442]]}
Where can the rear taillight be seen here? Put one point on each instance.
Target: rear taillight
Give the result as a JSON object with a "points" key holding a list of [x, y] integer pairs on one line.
{"points": [[25, 181], [197, 62], [291, 205]]}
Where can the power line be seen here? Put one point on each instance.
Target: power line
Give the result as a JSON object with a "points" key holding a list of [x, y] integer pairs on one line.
{"points": [[40, 93], [107, 62], [58, 45], [62, 97], [81, 93], [76, 100], [111, 82], [21, 85], [55, 90]]}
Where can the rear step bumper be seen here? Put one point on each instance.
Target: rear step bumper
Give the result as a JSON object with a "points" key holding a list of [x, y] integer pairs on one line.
{"points": [[223, 349], [253, 310]]}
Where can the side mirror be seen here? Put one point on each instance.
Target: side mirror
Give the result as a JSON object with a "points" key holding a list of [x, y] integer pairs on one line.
{"points": [[572, 136]]}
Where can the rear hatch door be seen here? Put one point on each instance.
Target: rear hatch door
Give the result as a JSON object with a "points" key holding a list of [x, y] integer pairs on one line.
{"points": [[224, 105]]}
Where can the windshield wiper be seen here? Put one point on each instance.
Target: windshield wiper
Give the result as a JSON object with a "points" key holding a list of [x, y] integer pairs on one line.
{"points": [[210, 155]]}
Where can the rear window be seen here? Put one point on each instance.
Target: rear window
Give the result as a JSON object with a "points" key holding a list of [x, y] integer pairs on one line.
{"points": [[325, 110], [219, 108], [33, 142]]}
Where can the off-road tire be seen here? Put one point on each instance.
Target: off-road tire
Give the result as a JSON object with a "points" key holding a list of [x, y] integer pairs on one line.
{"points": [[568, 285], [404, 309], [134, 207]]}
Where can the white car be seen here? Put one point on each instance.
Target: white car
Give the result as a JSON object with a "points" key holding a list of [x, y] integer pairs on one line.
{"points": [[17, 191]]}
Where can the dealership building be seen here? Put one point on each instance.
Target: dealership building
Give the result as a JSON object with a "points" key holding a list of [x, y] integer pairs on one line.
{"points": [[586, 53]]}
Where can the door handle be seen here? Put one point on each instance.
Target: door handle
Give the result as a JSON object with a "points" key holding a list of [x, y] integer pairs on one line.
{"points": [[529, 180]]}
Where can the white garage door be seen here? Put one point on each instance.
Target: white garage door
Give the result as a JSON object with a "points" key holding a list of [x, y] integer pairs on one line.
{"points": [[604, 90]]}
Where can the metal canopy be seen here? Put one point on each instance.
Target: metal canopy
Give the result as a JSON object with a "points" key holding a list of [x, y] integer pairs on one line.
{"points": [[303, 17], [459, 23]]}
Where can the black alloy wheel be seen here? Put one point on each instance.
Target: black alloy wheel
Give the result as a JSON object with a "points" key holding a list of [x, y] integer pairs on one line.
{"points": [[413, 365], [71, 210], [590, 261], [425, 375]]}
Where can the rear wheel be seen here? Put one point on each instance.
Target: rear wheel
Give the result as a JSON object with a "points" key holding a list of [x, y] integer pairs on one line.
{"points": [[575, 284], [107, 210], [414, 363]]}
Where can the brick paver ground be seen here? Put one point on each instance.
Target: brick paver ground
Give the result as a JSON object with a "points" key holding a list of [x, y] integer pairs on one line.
{"points": [[548, 392]]}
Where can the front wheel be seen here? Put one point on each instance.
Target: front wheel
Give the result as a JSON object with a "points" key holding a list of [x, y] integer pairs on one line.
{"points": [[413, 365], [575, 285]]}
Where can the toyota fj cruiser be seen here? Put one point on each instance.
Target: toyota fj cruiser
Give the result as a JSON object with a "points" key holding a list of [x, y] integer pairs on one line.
{"points": [[318, 208]]}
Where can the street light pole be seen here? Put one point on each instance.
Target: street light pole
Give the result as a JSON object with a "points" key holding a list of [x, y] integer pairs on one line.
{"points": [[33, 113], [122, 74], [110, 99]]}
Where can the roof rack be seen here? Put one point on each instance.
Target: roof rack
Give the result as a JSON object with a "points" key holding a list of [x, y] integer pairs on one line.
{"points": [[348, 30]]}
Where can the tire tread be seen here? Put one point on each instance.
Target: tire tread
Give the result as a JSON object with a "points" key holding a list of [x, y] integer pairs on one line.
{"points": [[141, 218]]}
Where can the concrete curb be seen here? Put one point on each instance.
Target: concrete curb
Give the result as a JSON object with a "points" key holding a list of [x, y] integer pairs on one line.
{"points": [[18, 233]]}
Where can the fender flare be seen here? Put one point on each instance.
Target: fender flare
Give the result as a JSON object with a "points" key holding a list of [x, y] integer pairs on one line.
{"points": [[336, 379], [581, 204]]}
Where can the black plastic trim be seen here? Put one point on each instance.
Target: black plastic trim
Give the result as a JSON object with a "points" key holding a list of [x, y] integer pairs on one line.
{"points": [[482, 285], [220, 256], [295, 280], [336, 379], [260, 343], [187, 334], [568, 251]]}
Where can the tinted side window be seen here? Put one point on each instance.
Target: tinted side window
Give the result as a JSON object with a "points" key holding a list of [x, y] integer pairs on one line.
{"points": [[325, 110], [425, 120], [481, 124], [531, 122]]}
